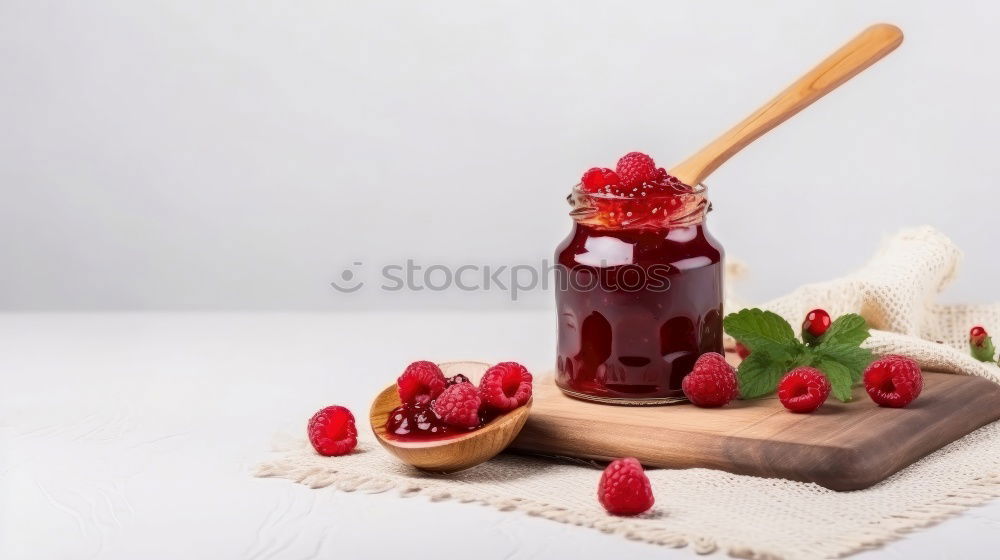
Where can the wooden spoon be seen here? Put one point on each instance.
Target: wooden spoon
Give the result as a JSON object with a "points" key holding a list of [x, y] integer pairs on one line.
{"points": [[454, 453], [859, 53]]}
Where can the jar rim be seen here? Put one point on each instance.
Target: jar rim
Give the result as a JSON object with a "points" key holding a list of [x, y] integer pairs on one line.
{"points": [[699, 189], [613, 211]]}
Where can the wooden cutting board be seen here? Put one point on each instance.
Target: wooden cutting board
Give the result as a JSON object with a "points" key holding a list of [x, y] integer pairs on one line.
{"points": [[842, 446]]}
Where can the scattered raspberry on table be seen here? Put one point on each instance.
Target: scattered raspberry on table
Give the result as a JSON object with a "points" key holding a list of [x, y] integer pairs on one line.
{"points": [[712, 381], [624, 488], [893, 381], [332, 431], [803, 389]]}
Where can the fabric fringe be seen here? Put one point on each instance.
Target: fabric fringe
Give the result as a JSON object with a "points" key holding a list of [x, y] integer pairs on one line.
{"points": [[924, 516], [888, 530], [315, 477]]}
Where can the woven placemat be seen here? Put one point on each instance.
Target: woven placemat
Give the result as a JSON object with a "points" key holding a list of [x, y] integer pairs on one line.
{"points": [[709, 510]]}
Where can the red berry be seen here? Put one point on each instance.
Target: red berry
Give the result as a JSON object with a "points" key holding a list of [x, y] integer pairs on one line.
{"points": [[742, 351], [624, 488], [634, 169], [977, 336], [420, 382], [893, 381], [803, 389], [597, 178], [332, 431], [712, 381], [505, 386], [816, 323], [458, 405]]}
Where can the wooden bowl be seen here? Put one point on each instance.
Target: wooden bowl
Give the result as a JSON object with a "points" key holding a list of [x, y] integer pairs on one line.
{"points": [[454, 453]]}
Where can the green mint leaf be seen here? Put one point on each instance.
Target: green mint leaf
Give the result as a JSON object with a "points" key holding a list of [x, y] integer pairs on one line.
{"points": [[759, 374], [760, 330], [761, 371], [985, 352], [854, 358], [839, 376], [847, 329]]}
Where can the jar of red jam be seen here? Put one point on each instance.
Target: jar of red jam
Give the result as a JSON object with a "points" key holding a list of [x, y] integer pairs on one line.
{"points": [[638, 293]]}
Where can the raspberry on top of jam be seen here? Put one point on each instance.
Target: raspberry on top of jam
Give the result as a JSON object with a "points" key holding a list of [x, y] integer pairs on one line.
{"points": [[635, 194]]}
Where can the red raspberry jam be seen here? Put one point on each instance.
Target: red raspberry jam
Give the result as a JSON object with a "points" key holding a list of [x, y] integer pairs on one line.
{"points": [[638, 293], [418, 422]]}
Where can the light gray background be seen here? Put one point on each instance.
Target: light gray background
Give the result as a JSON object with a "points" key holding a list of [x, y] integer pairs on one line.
{"points": [[237, 155]]}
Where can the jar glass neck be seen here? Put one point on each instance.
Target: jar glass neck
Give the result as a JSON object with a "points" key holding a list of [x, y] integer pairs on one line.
{"points": [[659, 211]]}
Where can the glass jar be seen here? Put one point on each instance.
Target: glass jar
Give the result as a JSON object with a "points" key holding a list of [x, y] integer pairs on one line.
{"points": [[638, 295]]}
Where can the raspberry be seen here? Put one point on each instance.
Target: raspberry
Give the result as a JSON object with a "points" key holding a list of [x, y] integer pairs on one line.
{"points": [[893, 381], [742, 351], [803, 389], [458, 405], [711, 383], [332, 431], [624, 488], [505, 386], [456, 379], [599, 177], [816, 323], [420, 382], [634, 169]]}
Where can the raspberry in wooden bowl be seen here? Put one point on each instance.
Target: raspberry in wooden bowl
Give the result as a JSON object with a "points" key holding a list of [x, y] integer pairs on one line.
{"points": [[475, 415]]}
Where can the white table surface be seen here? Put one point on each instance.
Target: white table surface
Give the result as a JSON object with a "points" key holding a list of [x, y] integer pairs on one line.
{"points": [[132, 435]]}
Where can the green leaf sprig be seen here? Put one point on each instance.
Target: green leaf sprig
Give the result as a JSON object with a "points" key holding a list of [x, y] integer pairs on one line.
{"points": [[774, 351]]}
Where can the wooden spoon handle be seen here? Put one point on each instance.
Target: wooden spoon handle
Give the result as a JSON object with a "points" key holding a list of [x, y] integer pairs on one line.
{"points": [[859, 53]]}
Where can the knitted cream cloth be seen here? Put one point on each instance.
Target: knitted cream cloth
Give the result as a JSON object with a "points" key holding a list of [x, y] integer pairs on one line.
{"points": [[713, 510]]}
